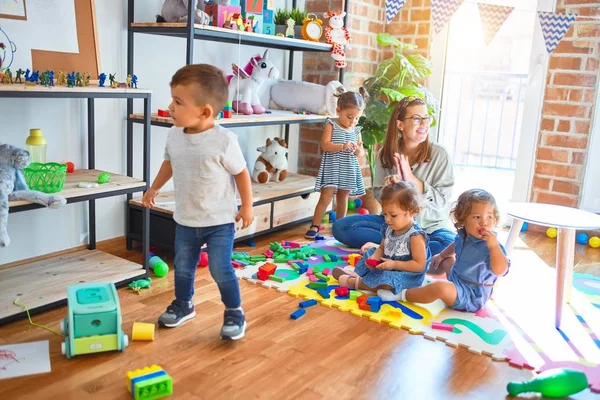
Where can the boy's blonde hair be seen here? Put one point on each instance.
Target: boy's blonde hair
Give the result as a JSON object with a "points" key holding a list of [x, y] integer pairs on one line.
{"points": [[211, 85], [464, 204], [404, 195]]}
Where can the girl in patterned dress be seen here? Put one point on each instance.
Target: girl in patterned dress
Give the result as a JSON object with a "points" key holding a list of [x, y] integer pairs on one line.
{"points": [[340, 173], [403, 253]]}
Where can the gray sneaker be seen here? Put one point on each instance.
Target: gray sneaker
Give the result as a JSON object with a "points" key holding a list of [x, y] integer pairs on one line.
{"points": [[234, 325], [177, 313]]}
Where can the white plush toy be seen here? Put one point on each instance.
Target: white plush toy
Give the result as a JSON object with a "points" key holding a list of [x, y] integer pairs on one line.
{"points": [[306, 96], [272, 164], [13, 186]]}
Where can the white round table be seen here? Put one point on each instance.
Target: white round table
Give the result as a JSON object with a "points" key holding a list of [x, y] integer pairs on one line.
{"points": [[567, 220]]}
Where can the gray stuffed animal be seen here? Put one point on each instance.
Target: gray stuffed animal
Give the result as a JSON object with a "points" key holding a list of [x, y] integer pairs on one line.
{"points": [[13, 186], [177, 11]]}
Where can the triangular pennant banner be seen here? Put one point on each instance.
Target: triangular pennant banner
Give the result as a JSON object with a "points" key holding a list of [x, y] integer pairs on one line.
{"points": [[393, 7], [492, 18], [442, 11], [554, 26]]}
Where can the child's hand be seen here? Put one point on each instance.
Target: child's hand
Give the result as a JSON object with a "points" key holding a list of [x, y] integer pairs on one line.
{"points": [[148, 198], [367, 246], [387, 264], [436, 261], [349, 146], [246, 214], [489, 237]]}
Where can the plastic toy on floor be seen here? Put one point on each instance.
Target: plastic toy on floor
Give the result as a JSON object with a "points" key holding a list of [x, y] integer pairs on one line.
{"points": [[149, 383], [552, 383], [93, 323]]}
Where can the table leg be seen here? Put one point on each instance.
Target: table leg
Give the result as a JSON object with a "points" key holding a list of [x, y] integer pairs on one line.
{"points": [[515, 229], [565, 254]]}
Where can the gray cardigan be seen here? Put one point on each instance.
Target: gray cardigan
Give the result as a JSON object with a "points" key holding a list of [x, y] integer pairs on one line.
{"points": [[438, 179]]}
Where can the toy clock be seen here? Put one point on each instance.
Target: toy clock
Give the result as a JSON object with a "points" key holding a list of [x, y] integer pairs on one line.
{"points": [[312, 28]]}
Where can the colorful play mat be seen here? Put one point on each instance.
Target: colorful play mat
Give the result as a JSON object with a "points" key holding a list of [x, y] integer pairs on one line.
{"points": [[516, 326]]}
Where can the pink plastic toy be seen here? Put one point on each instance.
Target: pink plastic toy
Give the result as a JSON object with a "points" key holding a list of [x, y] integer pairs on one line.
{"points": [[203, 259], [310, 271], [372, 263], [443, 327]]}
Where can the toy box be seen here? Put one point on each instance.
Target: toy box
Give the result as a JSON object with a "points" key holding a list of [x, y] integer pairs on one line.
{"points": [[252, 6], [268, 29], [221, 14], [93, 323]]}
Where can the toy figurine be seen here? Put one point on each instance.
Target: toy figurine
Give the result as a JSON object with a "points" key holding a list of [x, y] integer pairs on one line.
{"points": [[337, 35], [51, 78], [128, 80], [102, 78], [134, 80], [86, 79], [78, 80], [45, 79], [71, 79], [27, 74], [34, 77], [7, 77], [112, 81], [61, 78], [20, 73], [289, 32]]}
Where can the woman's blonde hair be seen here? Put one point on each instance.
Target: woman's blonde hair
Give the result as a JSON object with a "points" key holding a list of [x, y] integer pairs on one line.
{"points": [[393, 144], [404, 195], [464, 204]]}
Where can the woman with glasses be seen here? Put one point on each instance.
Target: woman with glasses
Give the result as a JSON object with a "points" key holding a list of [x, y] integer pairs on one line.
{"points": [[407, 154]]}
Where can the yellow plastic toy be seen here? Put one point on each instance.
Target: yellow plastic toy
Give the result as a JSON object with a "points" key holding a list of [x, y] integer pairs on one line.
{"points": [[142, 331], [551, 233]]}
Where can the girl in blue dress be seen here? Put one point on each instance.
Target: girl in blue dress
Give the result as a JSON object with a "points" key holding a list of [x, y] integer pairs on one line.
{"points": [[340, 172], [472, 263], [403, 253]]}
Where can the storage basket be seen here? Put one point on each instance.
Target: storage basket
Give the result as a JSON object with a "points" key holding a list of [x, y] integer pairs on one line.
{"points": [[47, 178]]}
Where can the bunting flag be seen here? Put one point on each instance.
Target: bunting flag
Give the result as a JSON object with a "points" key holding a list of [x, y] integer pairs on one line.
{"points": [[442, 11], [492, 18], [393, 7], [554, 26]]}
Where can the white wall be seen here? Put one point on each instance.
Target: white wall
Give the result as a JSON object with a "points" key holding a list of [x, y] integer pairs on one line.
{"points": [[64, 123], [590, 196]]}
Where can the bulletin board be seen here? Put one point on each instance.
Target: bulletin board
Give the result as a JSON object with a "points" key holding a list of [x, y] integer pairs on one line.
{"points": [[65, 38]]}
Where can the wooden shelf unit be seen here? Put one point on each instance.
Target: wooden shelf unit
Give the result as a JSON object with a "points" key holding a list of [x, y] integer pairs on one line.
{"points": [[276, 206], [119, 184], [42, 284], [216, 34], [276, 117]]}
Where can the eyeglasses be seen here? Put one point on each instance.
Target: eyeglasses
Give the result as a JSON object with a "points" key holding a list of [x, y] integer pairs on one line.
{"points": [[418, 120]]}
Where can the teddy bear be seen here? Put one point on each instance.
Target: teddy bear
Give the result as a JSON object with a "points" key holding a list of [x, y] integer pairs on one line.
{"points": [[13, 186], [272, 164], [177, 11]]}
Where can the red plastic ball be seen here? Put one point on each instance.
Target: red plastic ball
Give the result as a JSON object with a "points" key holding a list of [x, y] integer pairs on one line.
{"points": [[70, 167], [363, 211], [203, 259]]}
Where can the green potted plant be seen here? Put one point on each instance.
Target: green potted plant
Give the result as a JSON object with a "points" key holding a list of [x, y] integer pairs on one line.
{"points": [[298, 17], [281, 16], [397, 77]]}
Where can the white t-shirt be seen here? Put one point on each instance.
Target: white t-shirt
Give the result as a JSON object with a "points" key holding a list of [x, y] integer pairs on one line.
{"points": [[203, 165]]}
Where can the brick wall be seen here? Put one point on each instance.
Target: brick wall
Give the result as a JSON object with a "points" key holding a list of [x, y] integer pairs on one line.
{"points": [[568, 109], [366, 19]]}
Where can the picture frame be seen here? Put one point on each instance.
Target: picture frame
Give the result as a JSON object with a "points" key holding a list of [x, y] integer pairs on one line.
{"points": [[13, 9]]}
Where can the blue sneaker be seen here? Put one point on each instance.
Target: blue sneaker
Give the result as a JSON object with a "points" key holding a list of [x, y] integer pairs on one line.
{"points": [[177, 313], [234, 325]]}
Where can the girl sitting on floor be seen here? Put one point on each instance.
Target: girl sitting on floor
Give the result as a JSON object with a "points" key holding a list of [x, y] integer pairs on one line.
{"points": [[403, 253], [472, 263]]}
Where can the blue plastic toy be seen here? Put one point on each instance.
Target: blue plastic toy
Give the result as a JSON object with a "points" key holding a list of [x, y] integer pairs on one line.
{"points": [[298, 313], [582, 238], [308, 303], [524, 227], [93, 323], [358, 203], [332, 217]]}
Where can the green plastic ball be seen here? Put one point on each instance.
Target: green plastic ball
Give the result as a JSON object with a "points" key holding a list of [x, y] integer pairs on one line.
{"points": [[351, 205], [161, 269]]}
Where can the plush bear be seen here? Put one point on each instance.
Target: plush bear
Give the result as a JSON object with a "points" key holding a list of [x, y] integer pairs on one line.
{"points": [[177, 11], [13, 186], [272, 164]]}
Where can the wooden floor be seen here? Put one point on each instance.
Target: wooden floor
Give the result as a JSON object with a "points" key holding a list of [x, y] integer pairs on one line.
{"points": [[325, 354]]}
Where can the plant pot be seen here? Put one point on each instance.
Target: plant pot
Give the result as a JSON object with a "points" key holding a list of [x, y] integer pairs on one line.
{"points": [[298, 31], [280, 29], [371, 203]]}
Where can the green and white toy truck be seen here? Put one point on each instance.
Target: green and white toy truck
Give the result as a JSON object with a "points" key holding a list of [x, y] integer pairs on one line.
{"points": [[93, 324]]}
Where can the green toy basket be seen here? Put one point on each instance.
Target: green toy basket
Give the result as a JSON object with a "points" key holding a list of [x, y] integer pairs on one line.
{"points": [[47, 178]]}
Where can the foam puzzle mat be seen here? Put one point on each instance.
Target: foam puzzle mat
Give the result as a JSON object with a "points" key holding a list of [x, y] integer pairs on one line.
{"points": [[516, 326]]}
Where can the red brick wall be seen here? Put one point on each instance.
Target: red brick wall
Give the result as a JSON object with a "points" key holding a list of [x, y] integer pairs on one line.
{"points": [[568, 109]]}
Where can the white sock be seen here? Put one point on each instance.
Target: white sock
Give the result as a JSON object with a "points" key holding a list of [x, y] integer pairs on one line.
{"points": [[387, 295], [403, 295]]}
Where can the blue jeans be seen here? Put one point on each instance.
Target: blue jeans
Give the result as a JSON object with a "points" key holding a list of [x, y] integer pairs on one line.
{"points": [[188, 243], [356, 230]]}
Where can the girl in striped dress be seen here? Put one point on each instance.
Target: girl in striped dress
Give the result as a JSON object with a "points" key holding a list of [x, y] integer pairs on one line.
{"points": [[340, 173]]}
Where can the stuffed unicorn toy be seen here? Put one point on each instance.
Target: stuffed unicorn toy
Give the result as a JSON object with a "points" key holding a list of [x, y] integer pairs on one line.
{"points": [[337, 35], [272, 164], [245, 84]]}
